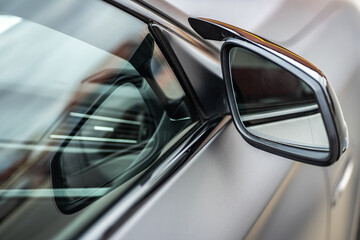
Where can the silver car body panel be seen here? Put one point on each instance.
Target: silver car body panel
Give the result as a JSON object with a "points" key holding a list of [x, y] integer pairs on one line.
{"points": [[231, 190]]}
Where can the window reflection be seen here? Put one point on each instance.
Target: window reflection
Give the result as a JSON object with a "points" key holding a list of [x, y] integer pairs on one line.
{"points": [[77, 118]]}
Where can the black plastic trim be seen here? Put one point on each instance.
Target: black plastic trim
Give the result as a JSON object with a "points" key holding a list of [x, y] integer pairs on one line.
{"points": [[196, 139], [129, 11], [175, 65], [298, 154]]}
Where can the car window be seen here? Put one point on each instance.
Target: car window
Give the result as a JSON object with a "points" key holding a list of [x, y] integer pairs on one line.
{"points": [[87, 107]]}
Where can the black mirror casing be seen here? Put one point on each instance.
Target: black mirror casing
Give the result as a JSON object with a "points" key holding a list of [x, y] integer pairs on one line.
{"points": [[299, 154], [328, 104]]}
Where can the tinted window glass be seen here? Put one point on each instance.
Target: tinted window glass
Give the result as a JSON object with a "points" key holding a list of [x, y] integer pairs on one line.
{"points": [[88, 104]]}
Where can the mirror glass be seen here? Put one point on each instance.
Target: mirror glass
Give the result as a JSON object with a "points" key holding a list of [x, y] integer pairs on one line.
{"points": [[105, 142], [274, 104]]}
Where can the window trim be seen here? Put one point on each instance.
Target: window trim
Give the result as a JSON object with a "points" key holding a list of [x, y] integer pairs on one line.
{"points": [[121, 210]]}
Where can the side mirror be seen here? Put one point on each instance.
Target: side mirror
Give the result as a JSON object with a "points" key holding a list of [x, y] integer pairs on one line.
{"points": [[280, 102], [106, 141]]}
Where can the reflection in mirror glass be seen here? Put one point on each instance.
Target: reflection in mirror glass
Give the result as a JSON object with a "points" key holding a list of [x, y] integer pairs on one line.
{"points": [[274, 104], [107, 141]]}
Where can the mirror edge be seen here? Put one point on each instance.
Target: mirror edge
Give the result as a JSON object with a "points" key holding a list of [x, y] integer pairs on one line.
{"points": [[329, 106]]}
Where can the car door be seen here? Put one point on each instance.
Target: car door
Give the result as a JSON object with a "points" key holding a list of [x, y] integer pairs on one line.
{"points": [[286, 216], [210, 184], [230, 190], [342, 71], [314, 43]]}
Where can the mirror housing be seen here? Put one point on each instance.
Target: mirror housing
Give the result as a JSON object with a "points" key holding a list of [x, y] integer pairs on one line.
{"points": [[308, 74]]}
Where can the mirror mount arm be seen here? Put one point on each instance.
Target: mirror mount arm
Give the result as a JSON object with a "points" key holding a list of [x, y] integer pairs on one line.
{"points": [[209, 30]]}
